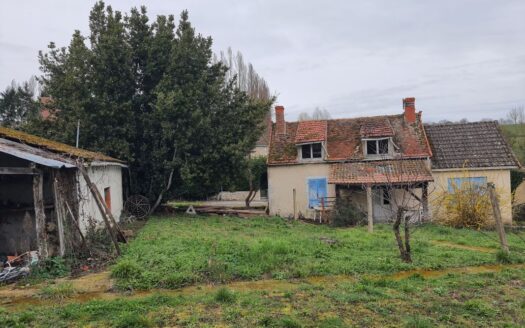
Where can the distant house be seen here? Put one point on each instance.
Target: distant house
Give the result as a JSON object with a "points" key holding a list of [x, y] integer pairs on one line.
{"points": [[474, 153], [368, 160], [44, 200]]}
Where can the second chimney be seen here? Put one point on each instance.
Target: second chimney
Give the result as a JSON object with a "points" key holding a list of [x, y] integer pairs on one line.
{"points": [[409, 106], [280, 124]]}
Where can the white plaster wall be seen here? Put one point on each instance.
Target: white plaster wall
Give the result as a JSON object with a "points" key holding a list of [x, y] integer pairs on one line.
{"points": [[103, 177], [282, 180]]}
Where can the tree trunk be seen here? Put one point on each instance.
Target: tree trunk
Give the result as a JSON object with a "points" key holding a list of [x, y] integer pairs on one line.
{"points": [[168, 186], [404, 249]]}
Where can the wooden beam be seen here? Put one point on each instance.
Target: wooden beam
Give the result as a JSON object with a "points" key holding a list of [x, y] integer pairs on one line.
{"points": [[17, 170], [370, 208], [40, 216]]}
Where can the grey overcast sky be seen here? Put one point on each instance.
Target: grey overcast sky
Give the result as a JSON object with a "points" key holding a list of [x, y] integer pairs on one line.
{"points": [[459, 58]]}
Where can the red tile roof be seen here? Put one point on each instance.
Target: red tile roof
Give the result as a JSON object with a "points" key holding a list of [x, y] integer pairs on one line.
{"points": [[344, 138], [376, 127], [310, 131], [380, 172]]}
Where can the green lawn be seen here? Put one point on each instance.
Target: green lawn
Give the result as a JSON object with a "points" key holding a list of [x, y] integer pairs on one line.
{"points": [[173, 252], [453, 300], [353, 284]]}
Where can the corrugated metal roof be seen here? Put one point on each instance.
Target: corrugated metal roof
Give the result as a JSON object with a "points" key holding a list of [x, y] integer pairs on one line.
{"points": [[35, 155]]}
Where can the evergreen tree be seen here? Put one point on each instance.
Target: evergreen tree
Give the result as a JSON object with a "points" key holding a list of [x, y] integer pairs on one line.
{"points": [[151, 94]]}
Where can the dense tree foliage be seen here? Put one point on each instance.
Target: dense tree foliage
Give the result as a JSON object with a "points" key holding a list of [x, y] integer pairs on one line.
{"points": [[18, 104], [152, 95]]}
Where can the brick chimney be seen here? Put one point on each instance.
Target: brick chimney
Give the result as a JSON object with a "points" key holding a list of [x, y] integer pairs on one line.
{"points": [[280, 124], [409, 106]]}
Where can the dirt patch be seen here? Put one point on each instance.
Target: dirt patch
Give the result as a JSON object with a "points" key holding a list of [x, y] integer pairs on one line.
{"points": [[98, 286]]}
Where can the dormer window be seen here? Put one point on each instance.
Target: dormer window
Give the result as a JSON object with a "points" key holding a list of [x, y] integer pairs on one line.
{"points": [[312, 151], [376, 147]]}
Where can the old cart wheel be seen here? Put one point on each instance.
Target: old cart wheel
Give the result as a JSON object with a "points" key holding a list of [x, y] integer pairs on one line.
{"points": [[137, 206]]}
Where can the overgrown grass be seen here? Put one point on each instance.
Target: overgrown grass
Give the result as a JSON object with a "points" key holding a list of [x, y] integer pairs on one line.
{"points": [[58, 291], [453, 300], [177, 251]]}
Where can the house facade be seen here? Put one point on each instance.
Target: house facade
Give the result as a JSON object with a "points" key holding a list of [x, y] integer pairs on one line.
{"points": [[378, 163], [473, 153], [44, 198]]}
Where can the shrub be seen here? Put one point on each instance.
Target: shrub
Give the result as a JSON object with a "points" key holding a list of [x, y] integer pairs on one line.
{"points": [[346, 213], [224, 295], [126, 269], [468, 206]]}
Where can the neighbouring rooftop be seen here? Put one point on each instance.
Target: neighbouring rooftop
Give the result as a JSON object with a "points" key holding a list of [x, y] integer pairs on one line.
{"points": [[469, 145]]}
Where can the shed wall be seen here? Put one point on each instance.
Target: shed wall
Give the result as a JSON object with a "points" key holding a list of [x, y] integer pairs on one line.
{"points": [[103, 177]]}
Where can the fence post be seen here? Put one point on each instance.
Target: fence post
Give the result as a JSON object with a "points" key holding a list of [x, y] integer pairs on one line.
{"points": [[497, 217]]}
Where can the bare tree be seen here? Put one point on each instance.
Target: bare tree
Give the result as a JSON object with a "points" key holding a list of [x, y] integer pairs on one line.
{"points": [[246, 77], [401, 197], [317, 114], [517, 115]]}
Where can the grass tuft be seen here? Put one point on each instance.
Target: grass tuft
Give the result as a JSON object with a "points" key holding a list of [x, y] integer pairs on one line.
{"points": [[224, 295], [59, 291]]}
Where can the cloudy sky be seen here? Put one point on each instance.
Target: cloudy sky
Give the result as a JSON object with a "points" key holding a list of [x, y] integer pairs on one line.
{"points": [[460, 59]]}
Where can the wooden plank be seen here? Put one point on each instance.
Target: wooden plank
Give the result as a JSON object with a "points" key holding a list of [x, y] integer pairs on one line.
{"points": [[17, 171], [497, 217], [59, 212], [40, 216]]}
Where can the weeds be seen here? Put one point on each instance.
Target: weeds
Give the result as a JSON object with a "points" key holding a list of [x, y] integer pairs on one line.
{"points": [[57, 292]]}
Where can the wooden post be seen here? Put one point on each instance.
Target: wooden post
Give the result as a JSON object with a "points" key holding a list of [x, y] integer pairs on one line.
{"points": [[497, 217], [102, 207], [40, 215], [424, 200], [370, 208], [59, 212]]}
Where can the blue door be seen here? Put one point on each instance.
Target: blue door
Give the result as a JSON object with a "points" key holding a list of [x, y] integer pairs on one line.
{"points": [[316, 191]]}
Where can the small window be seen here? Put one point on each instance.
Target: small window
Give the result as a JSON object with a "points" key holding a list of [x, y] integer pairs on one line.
{"points": [[317, 150], [306, 151], [383, 146], [371, 147], [312, 151], [377, 147], [474, 183], [107, 197]]}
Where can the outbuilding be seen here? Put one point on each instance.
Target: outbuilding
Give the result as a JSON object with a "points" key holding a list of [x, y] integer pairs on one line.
{"points": [[45, 200]]}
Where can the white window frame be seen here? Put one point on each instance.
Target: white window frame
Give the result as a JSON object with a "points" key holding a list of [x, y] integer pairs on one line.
{"points": [[365, 147], [310, 159]]}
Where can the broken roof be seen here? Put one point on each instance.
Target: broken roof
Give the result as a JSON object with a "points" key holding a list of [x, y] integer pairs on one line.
{"points": [[343, 138], [469, 145], [51, 148], [380, 172]]}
